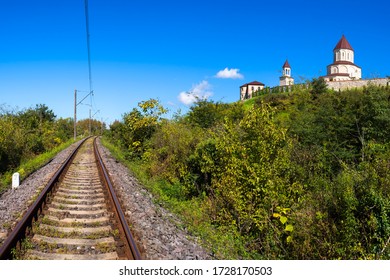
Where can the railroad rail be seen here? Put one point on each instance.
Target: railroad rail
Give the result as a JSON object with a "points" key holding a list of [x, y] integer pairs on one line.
{"points": [[77, 215]]}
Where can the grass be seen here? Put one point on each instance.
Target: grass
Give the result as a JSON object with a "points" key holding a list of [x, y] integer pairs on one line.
{"points": [[31, 165], [25, 245], [7, 225], [56, 232], [105, 247], [249, 103], [223, 243]]}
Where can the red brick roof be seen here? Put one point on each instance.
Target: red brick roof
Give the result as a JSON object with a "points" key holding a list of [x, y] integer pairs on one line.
{"points": [[256, 83], [343, 44], [286, 64]]}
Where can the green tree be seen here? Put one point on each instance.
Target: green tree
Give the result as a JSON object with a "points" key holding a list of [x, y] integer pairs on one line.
{"points": [[141, 124], [206, 113], [12, 142], [64, 129], [318, 86]]}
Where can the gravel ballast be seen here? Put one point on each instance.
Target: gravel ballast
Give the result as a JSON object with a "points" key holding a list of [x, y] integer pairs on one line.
{"points": [[155, 229], [15, 202]]}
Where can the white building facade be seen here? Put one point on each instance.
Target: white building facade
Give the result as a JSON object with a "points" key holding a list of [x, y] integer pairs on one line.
{"points": [[247, 90], [286, 79], [343, 67]]}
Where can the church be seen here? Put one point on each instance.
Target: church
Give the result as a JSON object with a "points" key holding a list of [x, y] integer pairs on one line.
{"points": [[343, 67], [343, 73]]}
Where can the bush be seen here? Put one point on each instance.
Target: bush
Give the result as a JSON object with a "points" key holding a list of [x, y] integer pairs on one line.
{"points": [[286, 176]]}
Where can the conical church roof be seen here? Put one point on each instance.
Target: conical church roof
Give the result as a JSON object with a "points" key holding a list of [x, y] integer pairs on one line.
{"points": [[343, 44], [286, 64]]}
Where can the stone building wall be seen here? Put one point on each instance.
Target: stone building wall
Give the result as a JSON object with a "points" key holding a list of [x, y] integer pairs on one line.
{"points": [[342, 85]]}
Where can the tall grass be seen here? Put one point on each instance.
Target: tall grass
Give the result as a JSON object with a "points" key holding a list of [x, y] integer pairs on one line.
{"points": [[31, 165]]}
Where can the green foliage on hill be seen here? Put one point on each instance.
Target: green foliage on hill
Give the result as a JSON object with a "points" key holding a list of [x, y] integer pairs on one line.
{"points": [[293, 175]]}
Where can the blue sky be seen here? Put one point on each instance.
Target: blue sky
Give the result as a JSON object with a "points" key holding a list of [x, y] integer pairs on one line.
{"points": [[162, 49]]}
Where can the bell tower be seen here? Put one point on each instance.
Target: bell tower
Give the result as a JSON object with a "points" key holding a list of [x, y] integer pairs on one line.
{"points": [[286, 79]]}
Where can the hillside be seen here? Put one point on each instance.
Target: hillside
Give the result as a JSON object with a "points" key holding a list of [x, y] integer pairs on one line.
{"points": [[298, 175]]}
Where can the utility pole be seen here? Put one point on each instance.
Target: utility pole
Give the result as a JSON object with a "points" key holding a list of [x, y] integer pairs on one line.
{"points": [[75, 115], [90, 119], [75, 112]]}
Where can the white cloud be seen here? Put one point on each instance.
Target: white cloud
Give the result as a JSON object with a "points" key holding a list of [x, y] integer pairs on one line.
{"points": [[229, 74], [199, 91], [187, 98]]}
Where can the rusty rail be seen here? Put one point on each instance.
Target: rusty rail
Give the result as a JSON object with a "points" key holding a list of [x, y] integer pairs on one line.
{"points": [[118, 210], [19, 232]]}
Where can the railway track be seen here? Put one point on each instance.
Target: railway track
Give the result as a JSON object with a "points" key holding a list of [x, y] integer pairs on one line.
{"points": [[78, 218]]}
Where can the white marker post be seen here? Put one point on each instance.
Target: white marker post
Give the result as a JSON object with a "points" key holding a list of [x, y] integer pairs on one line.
{"points": [[15, 180]]}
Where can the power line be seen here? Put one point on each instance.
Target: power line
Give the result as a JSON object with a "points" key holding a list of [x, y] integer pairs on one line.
{"points": [[90, 78], [89, 49], [89, 60]]}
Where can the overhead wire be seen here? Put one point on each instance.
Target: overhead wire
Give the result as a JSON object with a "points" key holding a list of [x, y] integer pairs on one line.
{"points": [[92, 105], [89, 49]]}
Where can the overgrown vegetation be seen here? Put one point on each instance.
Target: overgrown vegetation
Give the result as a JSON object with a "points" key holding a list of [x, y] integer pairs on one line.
{"points": [[30, 138], [294, 175]]}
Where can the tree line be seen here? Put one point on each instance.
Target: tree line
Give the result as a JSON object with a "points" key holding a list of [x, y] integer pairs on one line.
{"points": [[30, 132]]}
